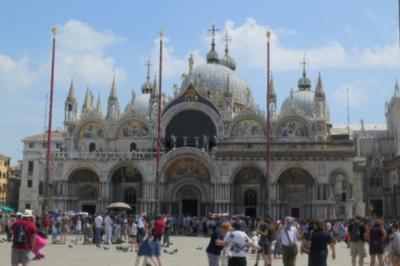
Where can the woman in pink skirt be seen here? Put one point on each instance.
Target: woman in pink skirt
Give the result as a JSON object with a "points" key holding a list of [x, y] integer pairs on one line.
{"points": [[40, 243]]}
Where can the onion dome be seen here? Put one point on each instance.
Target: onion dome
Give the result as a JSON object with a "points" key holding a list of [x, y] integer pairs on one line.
{"points": [[148, 86], [304, 83], [227, 60], [212, 55]]}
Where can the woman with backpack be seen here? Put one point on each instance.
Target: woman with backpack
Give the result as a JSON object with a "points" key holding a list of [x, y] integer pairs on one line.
{"points": [[377, 236]]}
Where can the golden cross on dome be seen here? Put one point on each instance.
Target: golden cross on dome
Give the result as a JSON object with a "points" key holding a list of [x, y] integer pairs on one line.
{"points": [[213, 30]]}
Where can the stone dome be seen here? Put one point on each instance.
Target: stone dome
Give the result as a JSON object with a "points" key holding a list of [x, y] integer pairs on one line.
{"points": [[302, 101], [142, 105], [215, 77]]}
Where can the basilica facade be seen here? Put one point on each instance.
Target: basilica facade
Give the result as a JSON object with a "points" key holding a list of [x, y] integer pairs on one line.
{"points": [[213, 139]]}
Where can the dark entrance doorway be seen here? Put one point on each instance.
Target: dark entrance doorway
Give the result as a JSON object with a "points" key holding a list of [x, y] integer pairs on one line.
{"points": [[250, 212], [189, 207], [91, 209], [295, 212]]}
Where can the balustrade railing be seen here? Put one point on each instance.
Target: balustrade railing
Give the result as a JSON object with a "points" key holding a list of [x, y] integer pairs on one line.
{"points": [[101, 155]]}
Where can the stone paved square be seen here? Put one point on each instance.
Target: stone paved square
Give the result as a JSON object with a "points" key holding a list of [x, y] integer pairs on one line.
{"points": [[189, 253]]}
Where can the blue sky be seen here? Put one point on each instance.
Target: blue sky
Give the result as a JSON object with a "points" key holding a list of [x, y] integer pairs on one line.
{"points": [[352, 43]]}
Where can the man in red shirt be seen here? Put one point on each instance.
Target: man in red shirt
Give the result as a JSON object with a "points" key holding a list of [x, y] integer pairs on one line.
{"points": [[24, 235], [159, 227]]}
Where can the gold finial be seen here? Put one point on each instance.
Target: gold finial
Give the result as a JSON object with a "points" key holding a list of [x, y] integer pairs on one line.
{"points": [[161, 33], [268, 34], [54, 31]]}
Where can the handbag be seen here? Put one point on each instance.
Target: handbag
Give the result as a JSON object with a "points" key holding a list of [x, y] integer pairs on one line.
{"points": [[292, 249], [306, 245]]}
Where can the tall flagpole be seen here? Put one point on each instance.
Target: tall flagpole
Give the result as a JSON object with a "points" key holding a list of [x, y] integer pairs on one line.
{"points": [[157, 205], [46, 201], [268, 125]]}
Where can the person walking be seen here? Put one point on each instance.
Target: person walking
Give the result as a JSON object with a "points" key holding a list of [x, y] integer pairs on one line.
{"points": [[238, 243], [289, 234], [158, 232], [146, 248], [64, 226], [320, 239], [216, 244], [108, 227], [394, 246], [266, 239], [98, 221], [24, 234], [377, 236], [357, 241]]}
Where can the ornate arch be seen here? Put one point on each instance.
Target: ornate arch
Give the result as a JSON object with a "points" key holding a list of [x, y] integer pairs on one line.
{"points": [[258, 127], [81, 166], [202, 156], [201, 191], [91, 128], [134, 127], [338, 171], [192, 106], [117, 166], [293, 127], [295, 175], [246, 166], [306, 168]]}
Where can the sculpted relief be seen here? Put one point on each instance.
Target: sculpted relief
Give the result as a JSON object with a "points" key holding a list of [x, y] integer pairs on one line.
{"points": [[247, 128], [292, 128], [187, 167], [248, 176], [133, 129], [91, 130]]}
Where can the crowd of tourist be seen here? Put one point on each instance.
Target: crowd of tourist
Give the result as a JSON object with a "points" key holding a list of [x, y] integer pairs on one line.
{"points": [[232, 238]]}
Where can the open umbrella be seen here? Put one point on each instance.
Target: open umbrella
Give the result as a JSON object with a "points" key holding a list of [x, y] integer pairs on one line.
{"points": [[119, 205], [7, 209]]}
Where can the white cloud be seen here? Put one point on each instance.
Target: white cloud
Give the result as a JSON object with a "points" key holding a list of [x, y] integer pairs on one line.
{"points": [[79, 54], [357, 97], [15, 73], [173, 66]]}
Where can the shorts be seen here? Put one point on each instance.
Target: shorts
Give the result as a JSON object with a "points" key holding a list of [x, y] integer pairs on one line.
{"points": [[19, 256], [146, 248], [375, 250], [157, 248], [358, 249]]}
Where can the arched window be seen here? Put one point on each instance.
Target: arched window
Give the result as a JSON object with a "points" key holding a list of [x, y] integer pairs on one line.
{"points": [[250, 198], [341, 188], [92, 147], [130, 196], [133, 147], [70, 107]]}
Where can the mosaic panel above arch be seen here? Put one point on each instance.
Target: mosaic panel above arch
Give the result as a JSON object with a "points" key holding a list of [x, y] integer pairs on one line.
{"points": [[248, 175], [292, 128], [132, 128], [187, 167], [83, 175], [127, 173], [247, 128], [295, 176], [91, 130]]}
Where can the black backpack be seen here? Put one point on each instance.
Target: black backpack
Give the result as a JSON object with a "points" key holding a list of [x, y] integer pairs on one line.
{"points": [[21, 236], [355, 232]]}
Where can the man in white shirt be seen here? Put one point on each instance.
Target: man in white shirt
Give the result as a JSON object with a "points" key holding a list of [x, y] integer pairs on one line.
{"points": [[289, 233], [99, 225], [108, 226], [237, 243]]}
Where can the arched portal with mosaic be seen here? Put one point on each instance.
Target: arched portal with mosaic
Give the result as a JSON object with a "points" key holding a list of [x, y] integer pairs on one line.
{"points": [[249, 192], [126, 185], [187, 186], [296, 189], [84, 188], [132, 129]]}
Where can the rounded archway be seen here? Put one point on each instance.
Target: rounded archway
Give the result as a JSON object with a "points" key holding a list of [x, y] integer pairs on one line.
{"points": [[126, 183], [190, 129], [84, 187], [296, 192], [189, 199], [248, 191], [187, 172]]}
